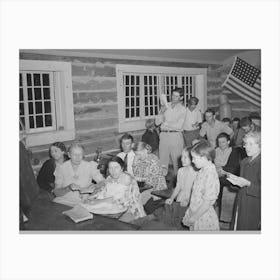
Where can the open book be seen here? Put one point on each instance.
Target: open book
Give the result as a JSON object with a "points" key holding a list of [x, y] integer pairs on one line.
{"points": [[78, 214]]}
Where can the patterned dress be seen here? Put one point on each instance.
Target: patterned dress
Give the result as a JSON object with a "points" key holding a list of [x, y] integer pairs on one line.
{"points": [[150, 171], [206, 187]]}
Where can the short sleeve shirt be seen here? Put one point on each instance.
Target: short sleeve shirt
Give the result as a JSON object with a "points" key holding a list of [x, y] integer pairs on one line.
{"points": [[213, 131]]}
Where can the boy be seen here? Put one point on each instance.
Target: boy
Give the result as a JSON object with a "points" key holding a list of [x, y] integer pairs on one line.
{"points": [[127, 154]]}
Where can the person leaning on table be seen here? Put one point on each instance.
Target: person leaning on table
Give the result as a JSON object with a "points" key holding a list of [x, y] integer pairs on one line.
{"points": [[171, 121]]}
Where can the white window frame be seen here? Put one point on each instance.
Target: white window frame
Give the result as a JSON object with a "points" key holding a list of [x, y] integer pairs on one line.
{"points": [[64, 112], [200, 75]]}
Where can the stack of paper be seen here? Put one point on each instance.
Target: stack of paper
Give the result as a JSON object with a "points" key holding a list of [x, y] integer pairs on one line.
{"points": [[78, 214]]}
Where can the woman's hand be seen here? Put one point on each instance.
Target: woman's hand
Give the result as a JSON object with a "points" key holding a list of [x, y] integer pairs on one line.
{"points": [[169, 201], [238, 181]]}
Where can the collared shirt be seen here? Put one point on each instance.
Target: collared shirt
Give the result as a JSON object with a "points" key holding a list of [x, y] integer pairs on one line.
{"points": [[192, 117], [213, 131], [174, 118], [130, 159]]}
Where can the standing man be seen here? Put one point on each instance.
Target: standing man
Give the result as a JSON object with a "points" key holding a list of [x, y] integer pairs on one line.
{"points": [[212, 128], [192, 121], [127, 154], [171, 121]]}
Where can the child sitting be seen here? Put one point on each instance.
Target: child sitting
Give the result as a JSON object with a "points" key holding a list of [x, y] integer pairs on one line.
{"points": [[151, 136]]}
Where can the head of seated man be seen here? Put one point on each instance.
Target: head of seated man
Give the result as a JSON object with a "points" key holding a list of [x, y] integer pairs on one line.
{"points": [[126, 143]]}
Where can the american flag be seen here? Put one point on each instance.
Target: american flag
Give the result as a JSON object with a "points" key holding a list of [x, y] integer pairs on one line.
{"points": [[245, 80]]}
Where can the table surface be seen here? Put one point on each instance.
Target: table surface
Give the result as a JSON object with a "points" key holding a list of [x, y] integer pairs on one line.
{"points": [[46, 215]]}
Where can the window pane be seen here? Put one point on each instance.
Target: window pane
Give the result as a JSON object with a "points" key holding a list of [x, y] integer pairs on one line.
{"points": [[46, 79], [38, 106], [156, 110], [126, 79], [151, 111], [150, 79], [29, 90], [30, 108], [20, 80], [38, 95], [146, 111], [126, 91], [132, 91], [145, 90], [36, 80], [145, 80], [127, 113], [137, 112], [48, 107], [23, 122], [132, 80], [146, 101], [48, 120], [137, 80], [29, 82], [127, 102], [132, 112], [137, 91], [137, 101], [132, 102], [39, 121], [21, 94], [47, 94], [21, 109], [31, 122]]}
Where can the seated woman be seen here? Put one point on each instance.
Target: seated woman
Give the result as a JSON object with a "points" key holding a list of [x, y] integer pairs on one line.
{"points": [[227, 159], [73, 176], [248, 211], [147, 168], [58, 155], [119, 195]]}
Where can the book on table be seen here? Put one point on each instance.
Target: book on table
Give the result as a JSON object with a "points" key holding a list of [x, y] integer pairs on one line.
{"points": [[78, 214]]}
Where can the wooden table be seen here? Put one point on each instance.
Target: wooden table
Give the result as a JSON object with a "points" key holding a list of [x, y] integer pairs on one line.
{"points": [[46, 215]]}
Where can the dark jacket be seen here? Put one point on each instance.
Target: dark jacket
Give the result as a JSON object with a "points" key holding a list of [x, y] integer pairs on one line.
{"points": [[45, 177], [249, 198]]}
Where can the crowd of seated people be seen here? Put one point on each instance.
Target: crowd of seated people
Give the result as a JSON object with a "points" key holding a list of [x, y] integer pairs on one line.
{"points": [[213, 154]]}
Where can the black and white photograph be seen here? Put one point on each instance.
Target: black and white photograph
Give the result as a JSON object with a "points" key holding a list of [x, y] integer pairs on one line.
{"points": [[140, 140]]}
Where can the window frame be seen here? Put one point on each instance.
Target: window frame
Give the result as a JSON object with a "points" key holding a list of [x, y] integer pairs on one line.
{"points": [[64, 111], [139, 122]]}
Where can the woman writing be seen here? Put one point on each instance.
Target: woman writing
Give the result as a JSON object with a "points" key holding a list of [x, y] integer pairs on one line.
{"points": [[74, 175], [120, 194]]}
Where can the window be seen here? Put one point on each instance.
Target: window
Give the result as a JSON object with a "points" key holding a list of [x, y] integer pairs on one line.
{"points": [[46, 101], [139, 88]]}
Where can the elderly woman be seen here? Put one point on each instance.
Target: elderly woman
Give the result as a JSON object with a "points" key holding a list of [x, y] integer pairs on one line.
{"points": [[147, 168], [74, 175], [248, 212], [119, 195]]}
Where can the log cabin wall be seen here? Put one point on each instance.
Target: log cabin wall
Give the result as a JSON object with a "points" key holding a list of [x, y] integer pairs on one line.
{"points": [[95, 98]]}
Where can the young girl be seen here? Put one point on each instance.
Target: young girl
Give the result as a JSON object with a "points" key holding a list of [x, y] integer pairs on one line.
{"points": [[174, 211], [57, 154], [201, 214]]}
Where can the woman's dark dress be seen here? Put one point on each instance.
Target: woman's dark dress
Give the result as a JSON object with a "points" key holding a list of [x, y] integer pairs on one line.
{"points": [[249, 198], [45, 177]]}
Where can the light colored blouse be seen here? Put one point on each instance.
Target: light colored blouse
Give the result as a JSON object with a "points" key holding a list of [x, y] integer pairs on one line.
{"points": [[185, 178], [149, 170], [83, 176]]}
